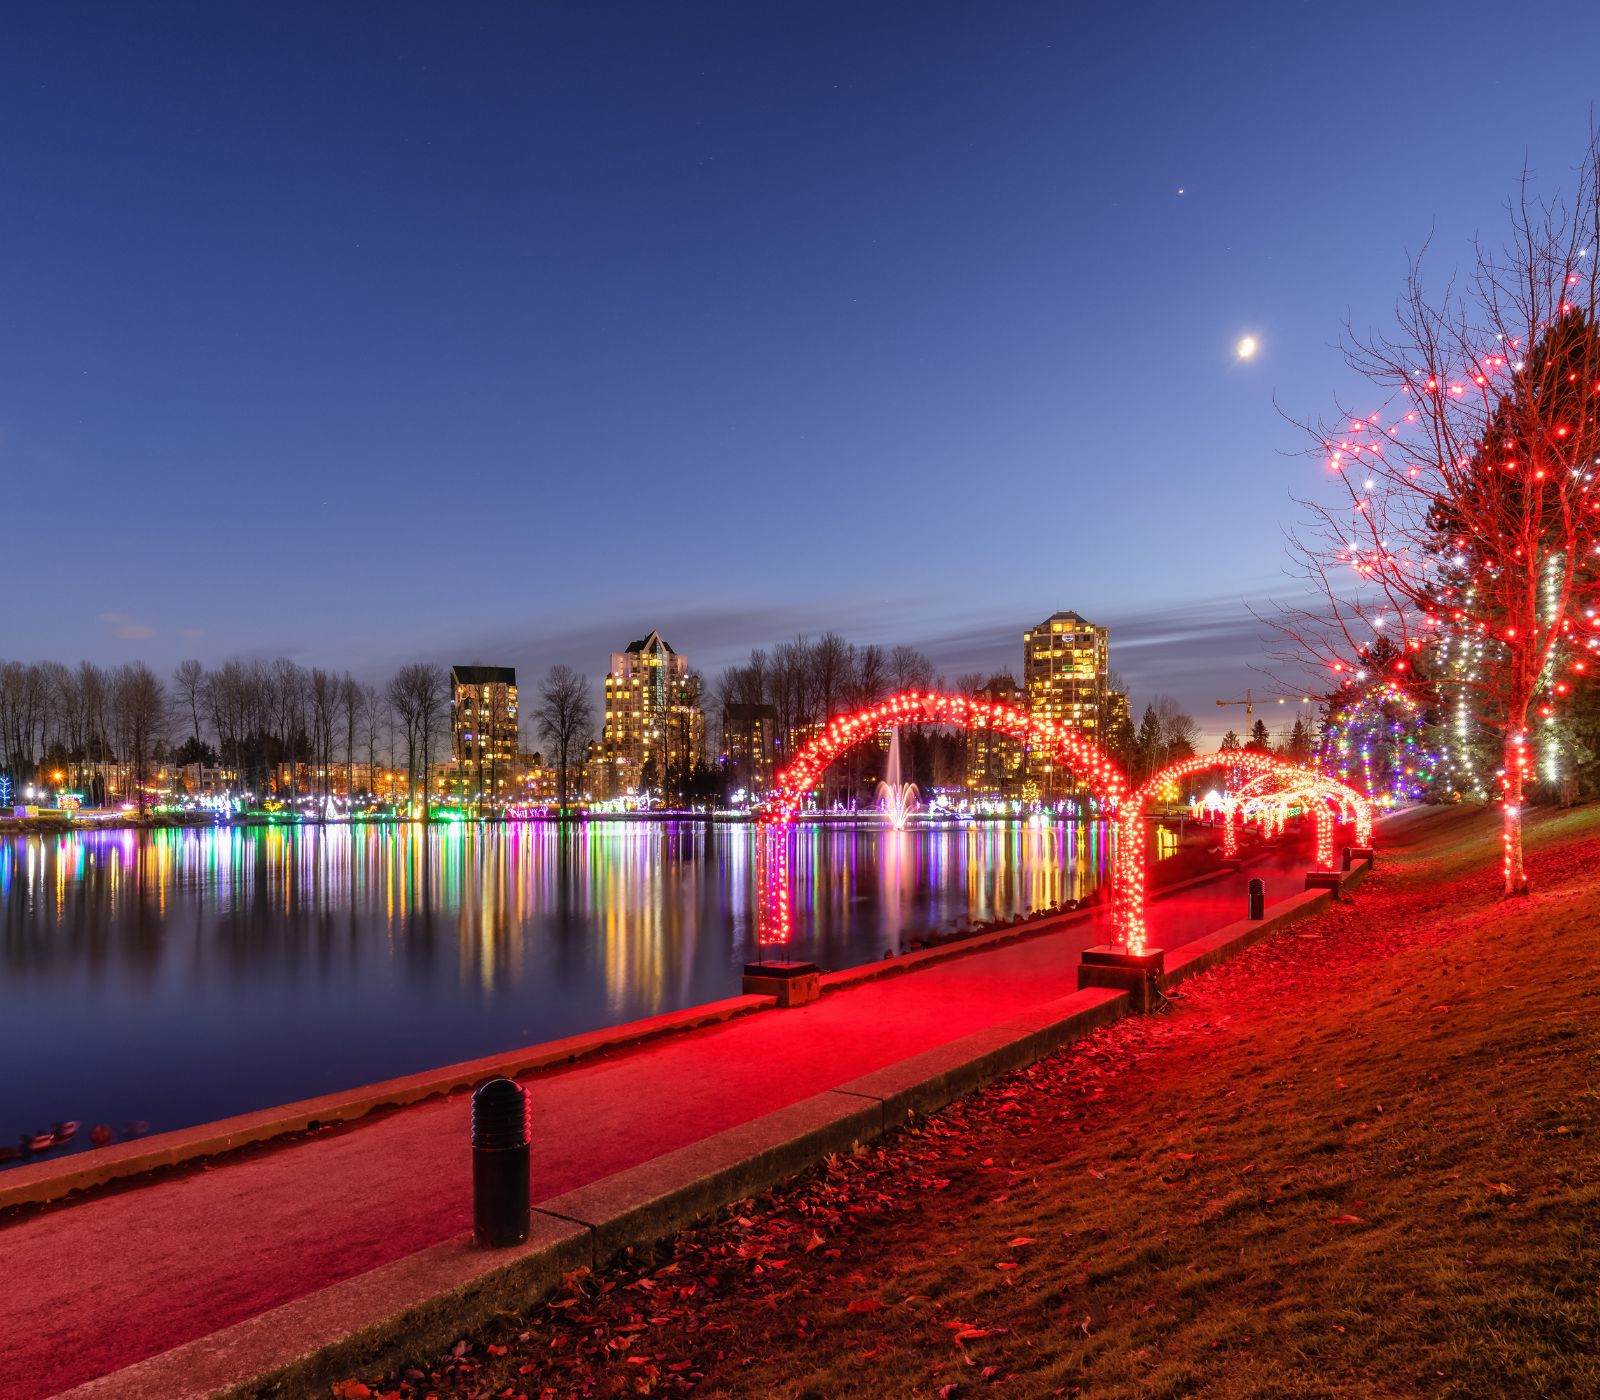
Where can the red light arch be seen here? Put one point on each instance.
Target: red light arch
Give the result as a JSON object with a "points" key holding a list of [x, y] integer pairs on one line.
{"points": [[1128, 882], [1078, 755]]}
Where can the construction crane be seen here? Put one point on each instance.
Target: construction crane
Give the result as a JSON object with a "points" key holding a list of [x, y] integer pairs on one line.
{"points": [[1250, 702]]}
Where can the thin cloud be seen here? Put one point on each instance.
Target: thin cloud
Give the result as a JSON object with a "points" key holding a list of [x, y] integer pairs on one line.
{"points": [[128, 629]]}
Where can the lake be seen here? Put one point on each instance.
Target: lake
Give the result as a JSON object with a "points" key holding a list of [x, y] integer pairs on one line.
{"points": [[160, 979]]}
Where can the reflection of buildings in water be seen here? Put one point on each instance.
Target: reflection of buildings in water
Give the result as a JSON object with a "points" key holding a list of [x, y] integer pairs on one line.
{"points": [[480, 876], [898, 869], [624, 908], [643, 941]]}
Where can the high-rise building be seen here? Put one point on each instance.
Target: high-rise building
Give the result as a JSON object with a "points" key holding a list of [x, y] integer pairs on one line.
{"points": [[654, 730], [1064, 665], [750, 745], [483, 729], [1065, 661], [994, 758]]}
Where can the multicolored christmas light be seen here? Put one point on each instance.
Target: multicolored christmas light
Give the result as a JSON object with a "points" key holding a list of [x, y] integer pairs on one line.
{"points": [[1376, 742]]}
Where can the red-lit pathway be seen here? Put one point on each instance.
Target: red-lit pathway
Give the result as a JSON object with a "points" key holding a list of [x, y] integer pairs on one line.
{"points": [[87, 1289]]}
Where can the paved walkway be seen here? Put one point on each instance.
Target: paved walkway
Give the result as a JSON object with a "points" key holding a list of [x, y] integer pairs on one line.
{"points": [[95, 1286]]}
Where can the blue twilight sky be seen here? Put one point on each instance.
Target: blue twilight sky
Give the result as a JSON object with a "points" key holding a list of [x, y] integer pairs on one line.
{"points": [[505, 332]]}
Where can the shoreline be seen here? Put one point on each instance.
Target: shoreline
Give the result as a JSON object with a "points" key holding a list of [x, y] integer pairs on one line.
{"points": [[46, 1176], [61, 826]]}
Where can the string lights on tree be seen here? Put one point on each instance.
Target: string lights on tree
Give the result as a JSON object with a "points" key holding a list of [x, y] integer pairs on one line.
{"points": [[1462, 527], [1376, 733]]}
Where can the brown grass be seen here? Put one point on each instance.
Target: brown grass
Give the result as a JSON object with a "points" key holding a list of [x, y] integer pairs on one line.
{"points": [[1358, 1160]]}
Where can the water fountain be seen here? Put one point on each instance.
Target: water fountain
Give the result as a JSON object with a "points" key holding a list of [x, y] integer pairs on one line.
{"points": [[896, 798]]}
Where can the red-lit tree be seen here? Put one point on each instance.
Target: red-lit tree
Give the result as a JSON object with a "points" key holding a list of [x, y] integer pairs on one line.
{"points": [[1462, 525]]}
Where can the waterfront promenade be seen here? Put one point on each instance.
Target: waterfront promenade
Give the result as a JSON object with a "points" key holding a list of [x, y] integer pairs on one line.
{"points": [[139, 1269]]}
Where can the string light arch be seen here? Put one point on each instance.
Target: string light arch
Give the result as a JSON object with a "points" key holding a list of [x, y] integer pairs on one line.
{"points": [[1128, 883], [1078, 755]]}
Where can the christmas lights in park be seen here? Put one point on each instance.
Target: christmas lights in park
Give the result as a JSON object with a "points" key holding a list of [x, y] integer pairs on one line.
{"points": [[1464, 529], [1244, 768], [1376, 742], [797, 782], [774, 911], [801, 778], [1274, 796], [1077, 754]]}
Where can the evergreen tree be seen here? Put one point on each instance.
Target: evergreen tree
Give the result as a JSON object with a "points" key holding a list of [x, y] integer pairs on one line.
{"points": [[1297, 748], [1151, 748]]}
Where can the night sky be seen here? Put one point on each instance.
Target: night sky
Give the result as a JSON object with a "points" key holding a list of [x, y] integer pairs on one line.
{"points": [[504, 333]]}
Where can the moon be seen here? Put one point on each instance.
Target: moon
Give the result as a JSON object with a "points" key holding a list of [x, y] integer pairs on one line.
{"points": [[1247, 347]]}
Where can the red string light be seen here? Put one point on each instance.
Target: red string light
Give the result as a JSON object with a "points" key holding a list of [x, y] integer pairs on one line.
{"points": [[1078, 755]]}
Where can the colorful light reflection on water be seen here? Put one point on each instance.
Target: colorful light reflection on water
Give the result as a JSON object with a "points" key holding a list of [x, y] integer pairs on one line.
{"points": [[178, 976]]}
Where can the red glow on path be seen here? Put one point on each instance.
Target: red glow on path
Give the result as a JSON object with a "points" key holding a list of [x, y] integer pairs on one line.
{"points": [[1264, 786]]}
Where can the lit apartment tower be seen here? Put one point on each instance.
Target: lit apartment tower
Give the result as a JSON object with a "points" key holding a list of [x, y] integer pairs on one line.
{"points": [[1064, 666], [483, 727], [994, 759], [654, 728], [750, 745]]}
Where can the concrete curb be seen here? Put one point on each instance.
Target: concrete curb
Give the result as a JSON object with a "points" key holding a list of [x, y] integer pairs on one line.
{"points": [[422, 1302], [1201, 954], [425, 1301]]}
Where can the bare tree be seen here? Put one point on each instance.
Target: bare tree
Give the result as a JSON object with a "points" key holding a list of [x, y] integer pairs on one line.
{"points": [[832, 666], [288, 709], [93, 693], [350, 713], [564, 717], [870, 683], [1461, 525], [909, 669], [1178, 730], [322, 689], [189, 684], [139, 710], [403, 706], [790, 691], [376, 720], [417, 693]]}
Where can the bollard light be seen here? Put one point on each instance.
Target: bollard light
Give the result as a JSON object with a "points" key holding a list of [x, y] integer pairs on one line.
{"points": [[1256, 901], [1346, 864], [500, 1139]]}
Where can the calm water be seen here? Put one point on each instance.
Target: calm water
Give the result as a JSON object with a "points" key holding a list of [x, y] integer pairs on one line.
{"points": [[174, 977]]}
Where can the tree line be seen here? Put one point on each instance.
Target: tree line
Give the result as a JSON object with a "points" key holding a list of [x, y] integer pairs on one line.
{"points": [[274, 726], [807, 681]]}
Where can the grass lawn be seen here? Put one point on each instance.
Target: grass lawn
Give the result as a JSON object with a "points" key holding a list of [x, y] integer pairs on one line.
{"points": [[1360, 1159]]}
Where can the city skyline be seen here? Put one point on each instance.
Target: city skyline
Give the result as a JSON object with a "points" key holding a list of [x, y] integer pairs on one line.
{"points": [[266, 348]]}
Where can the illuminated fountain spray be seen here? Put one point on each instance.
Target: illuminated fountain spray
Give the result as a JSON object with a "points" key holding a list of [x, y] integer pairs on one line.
{"points": [[895, 797]]}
